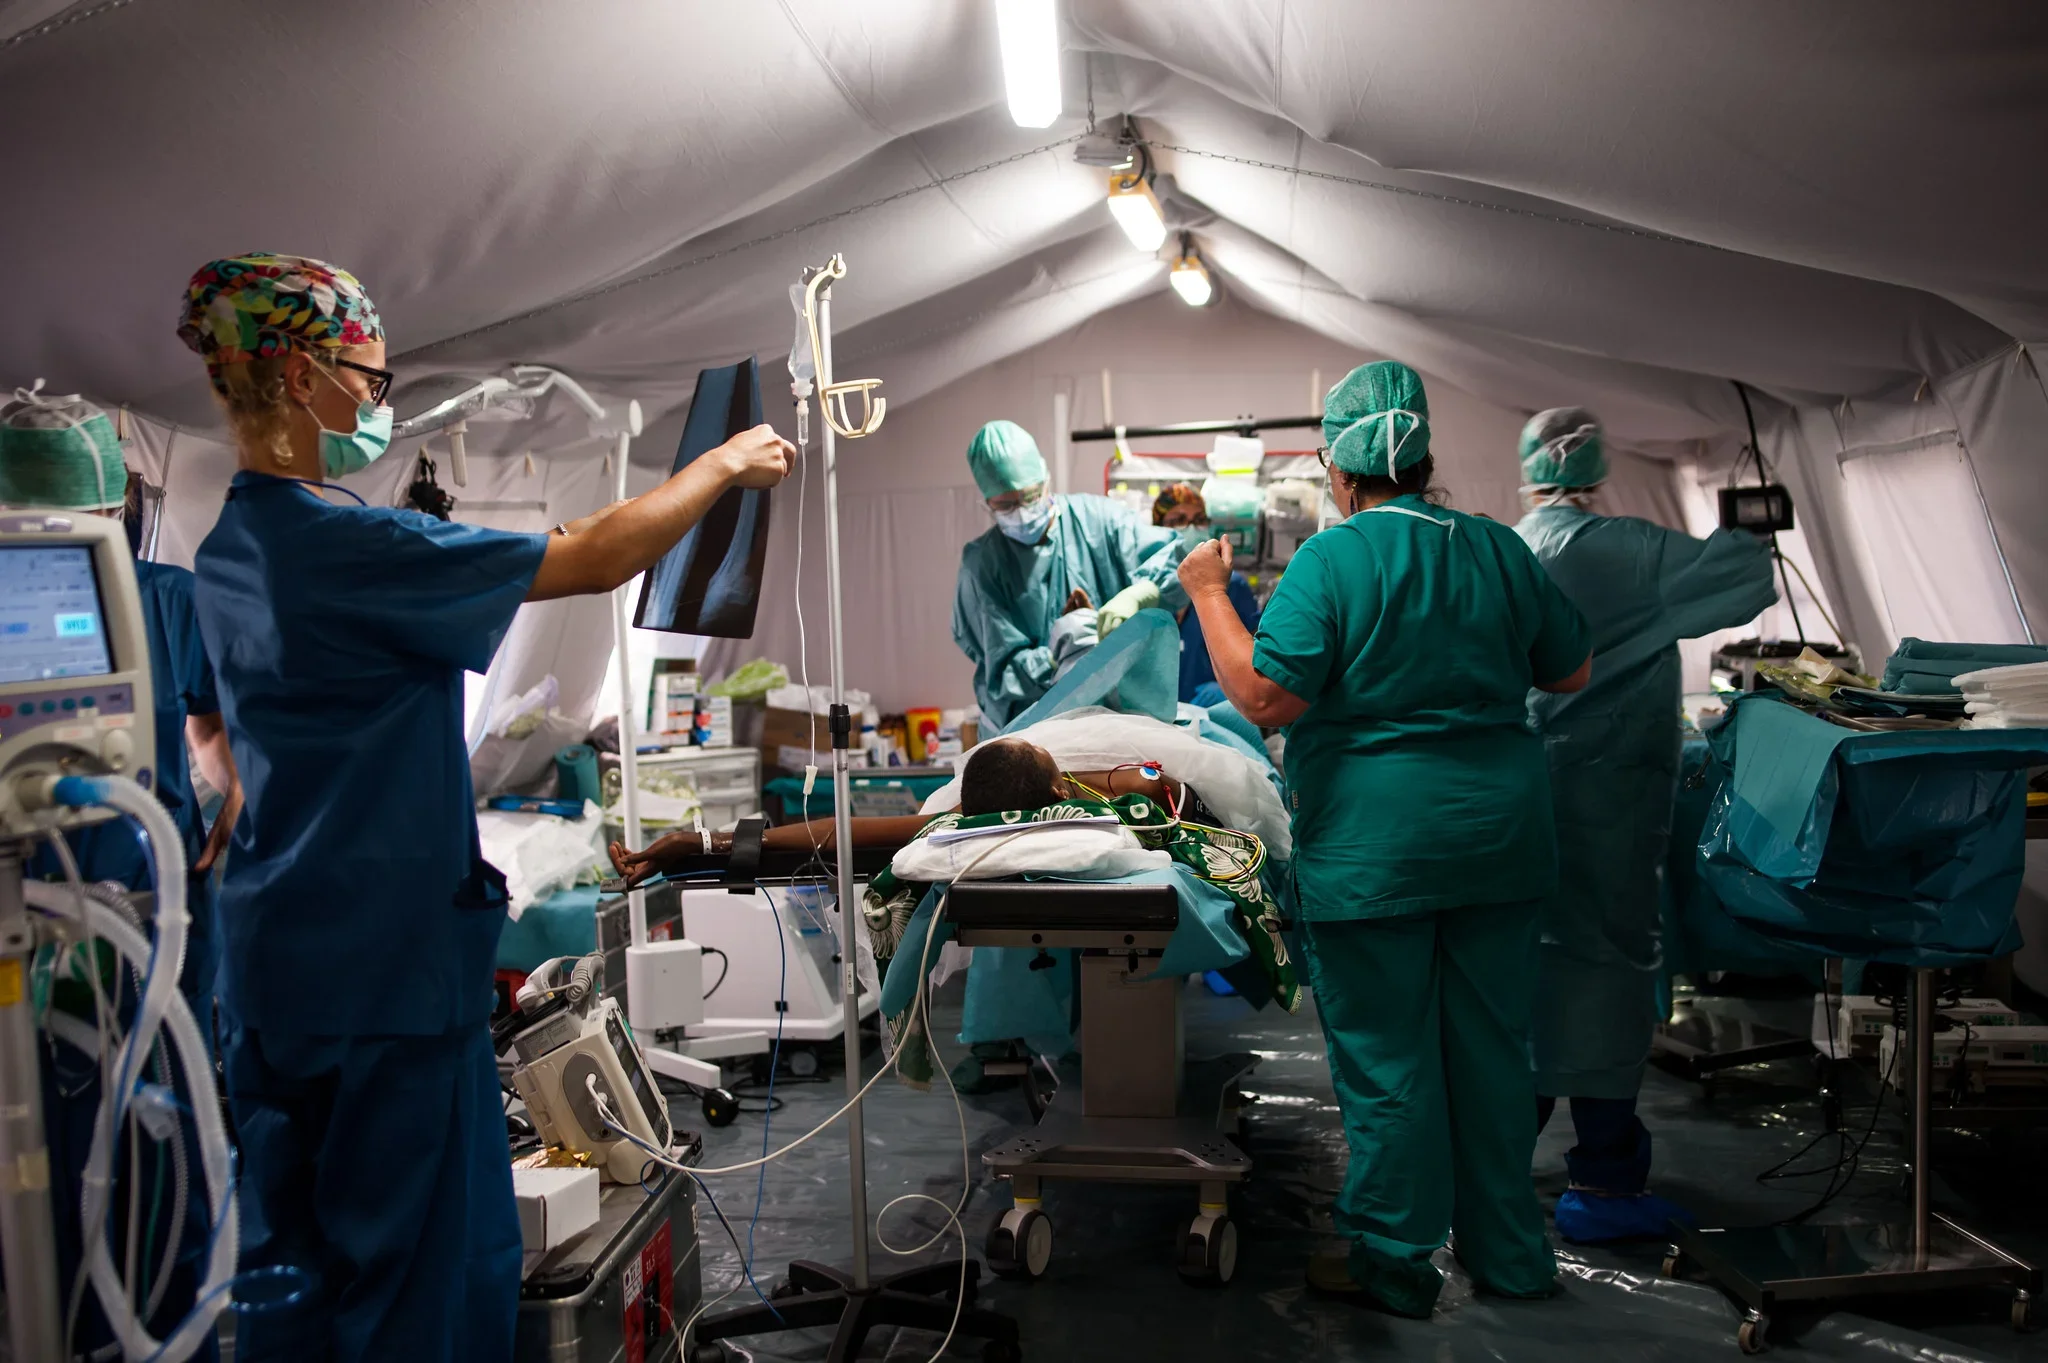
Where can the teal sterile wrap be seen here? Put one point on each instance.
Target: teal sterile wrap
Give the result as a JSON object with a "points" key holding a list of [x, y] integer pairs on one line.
{"points": [[1223, 715], [1925, 667], [1006, 999], [576, 773], [1699, 933], [563, 924], [1136, 671], [1906, 848]]}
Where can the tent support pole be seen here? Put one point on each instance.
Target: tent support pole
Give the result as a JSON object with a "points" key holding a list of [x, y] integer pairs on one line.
{"points": [[629, 762]]}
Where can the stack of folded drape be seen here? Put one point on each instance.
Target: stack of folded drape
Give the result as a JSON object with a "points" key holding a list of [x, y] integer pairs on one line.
{"points": [[1923, 667], [2006, 697]]}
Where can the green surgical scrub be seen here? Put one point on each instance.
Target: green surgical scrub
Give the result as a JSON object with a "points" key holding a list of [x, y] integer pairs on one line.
{"points": [[1422, 832]]}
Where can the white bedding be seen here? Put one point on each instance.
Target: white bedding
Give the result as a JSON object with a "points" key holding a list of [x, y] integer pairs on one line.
{"points": [[1066, 847], [1238, 788]]}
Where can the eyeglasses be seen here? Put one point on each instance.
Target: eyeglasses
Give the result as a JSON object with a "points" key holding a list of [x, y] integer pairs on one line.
{"points": [[1012, 501], [1323, 456], [380, 379]]}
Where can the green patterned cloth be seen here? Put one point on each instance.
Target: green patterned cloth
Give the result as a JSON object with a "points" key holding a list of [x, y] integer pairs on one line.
{"points": [[1229, 860]]}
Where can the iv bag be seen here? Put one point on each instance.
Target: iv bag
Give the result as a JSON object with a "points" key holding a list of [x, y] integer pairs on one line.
{"points": [[803, 365]]}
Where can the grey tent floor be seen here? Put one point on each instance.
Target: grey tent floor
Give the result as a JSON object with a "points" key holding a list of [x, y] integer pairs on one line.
{"points": [[1111, 1292]]}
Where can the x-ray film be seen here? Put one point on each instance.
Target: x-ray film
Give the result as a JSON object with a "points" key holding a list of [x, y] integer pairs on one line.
{"points": [[710, 583]]}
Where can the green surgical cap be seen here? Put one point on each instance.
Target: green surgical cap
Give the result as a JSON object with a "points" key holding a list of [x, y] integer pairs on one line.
{"points": [[59, 452], [1376, 420], [1561, 448], [1004, 458]]}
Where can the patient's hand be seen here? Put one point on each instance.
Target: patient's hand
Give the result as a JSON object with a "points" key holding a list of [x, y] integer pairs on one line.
{"points": [[665, 853], [1077, 600]]}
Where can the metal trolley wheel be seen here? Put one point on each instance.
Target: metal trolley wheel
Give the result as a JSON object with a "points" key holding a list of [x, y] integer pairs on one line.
{"points": [[1020, 1244], [1750, 1335], [1208, 1248]]}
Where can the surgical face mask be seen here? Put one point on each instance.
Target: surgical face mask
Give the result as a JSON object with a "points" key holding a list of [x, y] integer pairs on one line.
{"points": [[1192, 535], [1028, 523], [1416, 421], [346, 452]]}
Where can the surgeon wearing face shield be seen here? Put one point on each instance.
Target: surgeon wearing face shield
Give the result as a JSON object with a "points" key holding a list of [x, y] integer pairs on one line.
{"points": [[62, 453], [1613, 752], [361, 921], [1018, 578], [1398, 650]]}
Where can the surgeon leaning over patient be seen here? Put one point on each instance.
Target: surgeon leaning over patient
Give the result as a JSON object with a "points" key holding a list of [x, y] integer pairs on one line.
{"points": [[1613, 750], [62, 453], [1017, 579], [361, 922], [1399, 648]]}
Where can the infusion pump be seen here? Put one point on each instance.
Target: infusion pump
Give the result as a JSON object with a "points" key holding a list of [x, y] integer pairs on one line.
{"points": [[74, 665]]}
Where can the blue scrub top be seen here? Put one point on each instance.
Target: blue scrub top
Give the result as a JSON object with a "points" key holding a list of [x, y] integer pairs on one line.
{"points": [[1196, 671], [356, 899]]}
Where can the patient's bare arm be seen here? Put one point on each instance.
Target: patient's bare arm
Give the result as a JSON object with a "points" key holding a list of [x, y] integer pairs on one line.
{"points": [[668, 852]]}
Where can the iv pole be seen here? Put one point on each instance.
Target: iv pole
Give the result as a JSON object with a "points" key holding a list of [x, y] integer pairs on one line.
{"points": [[852, 1304]]}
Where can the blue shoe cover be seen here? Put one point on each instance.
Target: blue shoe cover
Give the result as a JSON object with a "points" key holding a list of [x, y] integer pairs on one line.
{"points": [[1217, 984], [1586, 1218]]}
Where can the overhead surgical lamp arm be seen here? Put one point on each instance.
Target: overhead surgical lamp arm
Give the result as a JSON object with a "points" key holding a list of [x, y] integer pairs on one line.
{"points": [[528, 383]]}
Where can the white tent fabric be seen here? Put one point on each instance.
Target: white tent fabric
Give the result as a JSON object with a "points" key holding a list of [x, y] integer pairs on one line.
{"points": [[1589, 201]]}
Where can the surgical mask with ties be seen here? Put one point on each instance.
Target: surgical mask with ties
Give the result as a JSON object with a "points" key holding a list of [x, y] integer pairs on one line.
{"points": [[346, 452], [1028, 523], [1195, 535]]}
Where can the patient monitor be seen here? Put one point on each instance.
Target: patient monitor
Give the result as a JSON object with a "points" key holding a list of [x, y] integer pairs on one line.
{"points": [[581, 1074], [74, 664]]}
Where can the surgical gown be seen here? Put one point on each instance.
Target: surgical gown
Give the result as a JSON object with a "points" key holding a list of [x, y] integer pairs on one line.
{"points": [[1009, 594], [1421, 816], [362, 921], [181, 685], [1613, 751]]}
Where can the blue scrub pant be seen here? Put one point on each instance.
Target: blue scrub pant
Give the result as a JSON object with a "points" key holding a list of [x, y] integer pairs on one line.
{"points": [[378, 1165], [1613, 1153], [1427, 1021]]}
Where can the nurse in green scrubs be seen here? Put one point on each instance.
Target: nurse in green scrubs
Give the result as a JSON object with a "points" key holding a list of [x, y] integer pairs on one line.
{"points": [[1399, 650]]}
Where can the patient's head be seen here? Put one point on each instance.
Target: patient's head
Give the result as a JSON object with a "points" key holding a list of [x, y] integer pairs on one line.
{"points": [[1009, 774]]}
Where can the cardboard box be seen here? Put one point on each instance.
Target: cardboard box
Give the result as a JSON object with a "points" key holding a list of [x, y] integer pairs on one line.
{"points": [[555, 1205], [714, 722], [787, 732]]}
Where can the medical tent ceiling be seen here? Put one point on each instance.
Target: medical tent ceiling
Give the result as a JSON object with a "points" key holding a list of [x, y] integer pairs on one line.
{"points": [[1614, 202]]}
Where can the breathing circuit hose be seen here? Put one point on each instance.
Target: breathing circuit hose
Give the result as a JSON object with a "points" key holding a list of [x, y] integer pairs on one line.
{"points": [[162, 1007]]}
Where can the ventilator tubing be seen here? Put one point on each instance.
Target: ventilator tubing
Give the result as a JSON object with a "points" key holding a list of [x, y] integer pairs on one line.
{"points": [[162, 1007]]}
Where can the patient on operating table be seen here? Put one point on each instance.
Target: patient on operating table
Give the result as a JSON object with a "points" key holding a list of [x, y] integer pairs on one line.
{"points": [[1012, 781]]}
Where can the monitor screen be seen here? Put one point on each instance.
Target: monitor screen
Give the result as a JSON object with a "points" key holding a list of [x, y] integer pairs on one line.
{"points": [[51, 622]]}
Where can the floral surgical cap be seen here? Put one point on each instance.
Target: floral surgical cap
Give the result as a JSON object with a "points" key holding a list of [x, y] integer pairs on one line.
{"points": [[250, 306], [1176, 496]]}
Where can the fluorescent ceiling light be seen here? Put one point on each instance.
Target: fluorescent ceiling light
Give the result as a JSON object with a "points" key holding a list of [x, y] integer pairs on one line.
{"points": [[1029, 31], [1136, 209], [1190, 279]]}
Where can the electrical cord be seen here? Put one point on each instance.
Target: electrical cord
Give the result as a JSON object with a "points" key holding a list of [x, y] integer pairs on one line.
{"points": [[725, 968], [1763, 479], [920, 1017]]}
